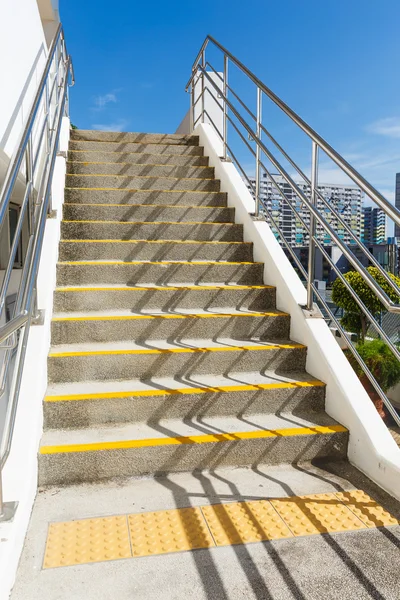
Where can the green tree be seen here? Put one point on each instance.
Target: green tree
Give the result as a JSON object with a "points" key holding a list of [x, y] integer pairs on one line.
{"points": [[354, 319]]}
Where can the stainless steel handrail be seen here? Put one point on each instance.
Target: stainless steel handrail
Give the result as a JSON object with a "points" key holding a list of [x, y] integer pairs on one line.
{"points": [[254, 131], [45, 116]]}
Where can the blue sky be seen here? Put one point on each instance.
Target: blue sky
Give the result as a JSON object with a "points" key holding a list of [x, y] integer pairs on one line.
{"points": [[335, 62]]}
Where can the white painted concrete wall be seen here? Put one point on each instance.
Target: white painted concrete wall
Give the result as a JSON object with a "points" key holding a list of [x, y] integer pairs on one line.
{"points": [[210, 105], [371, 447], [20, 473]]}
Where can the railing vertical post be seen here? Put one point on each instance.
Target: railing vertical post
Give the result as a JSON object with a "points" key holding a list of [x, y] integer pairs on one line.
{"points": [[29, 180], [225, 118], [311, 245], [192, 106], [258, 169], [203, 64]]}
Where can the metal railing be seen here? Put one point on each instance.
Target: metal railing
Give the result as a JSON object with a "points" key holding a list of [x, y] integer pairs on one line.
{"points": [[32, 164], [236, 112]]}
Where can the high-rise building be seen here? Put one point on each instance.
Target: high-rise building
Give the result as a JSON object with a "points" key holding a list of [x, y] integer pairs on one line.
{"points": [[397, 204], [374, 220], [345, 199]]}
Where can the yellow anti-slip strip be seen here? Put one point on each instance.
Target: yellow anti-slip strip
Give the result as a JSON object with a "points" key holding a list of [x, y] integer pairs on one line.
{"points": [[174, 191], [193, 263], [183, 391], [194, 439], [178, 530], [176, 350], [193, 156], [151, 222], [144, 165], [164, 288], [141, 176], [149, 242], [171, 316], [151, 206]]}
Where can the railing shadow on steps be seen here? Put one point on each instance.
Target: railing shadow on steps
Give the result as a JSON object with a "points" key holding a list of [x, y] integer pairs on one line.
{"points": [[235, 113], [34, 156]]}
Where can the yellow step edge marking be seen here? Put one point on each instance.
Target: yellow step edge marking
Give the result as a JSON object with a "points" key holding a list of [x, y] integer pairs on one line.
{"points": [[108, 189], [149, 242], [151, 262], [100, 162], [177, 350], [141, 176], [182, 391], [152, 206], [143, 143], [194, 439], [196, 156], [150, 222], [163, 288], [171, 316]]}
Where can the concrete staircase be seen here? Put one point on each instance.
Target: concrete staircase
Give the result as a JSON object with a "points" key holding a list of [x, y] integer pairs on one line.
{"points": [[168, 352]]}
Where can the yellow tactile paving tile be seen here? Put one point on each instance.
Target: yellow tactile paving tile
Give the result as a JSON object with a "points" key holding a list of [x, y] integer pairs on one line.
{"points": [[244, 522], [87, 541], [318, 513], [366, 509], [178, 530], [167, 531]]}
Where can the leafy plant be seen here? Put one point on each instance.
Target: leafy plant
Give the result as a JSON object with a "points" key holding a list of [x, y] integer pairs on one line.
{"points": [[382, 363], [73, 126], [354, 319]]}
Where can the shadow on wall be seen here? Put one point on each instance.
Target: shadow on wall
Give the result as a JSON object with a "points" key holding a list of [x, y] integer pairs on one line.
{"points": [[18, 118]]}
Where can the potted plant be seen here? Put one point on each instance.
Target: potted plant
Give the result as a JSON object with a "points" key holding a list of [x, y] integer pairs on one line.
{"points": [[383, 365]]}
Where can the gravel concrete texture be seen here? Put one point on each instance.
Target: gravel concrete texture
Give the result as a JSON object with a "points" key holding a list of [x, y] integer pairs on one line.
{"points": [[130, 401], [125, 136], [124, 360], [123, 212], [138, 158], [159, 273], [110, 230], [114, 168], [132, 182], [155, 250], [137, 147], [149, 447], [170, 197], [112, 327], [356, 565], [165, 298]]}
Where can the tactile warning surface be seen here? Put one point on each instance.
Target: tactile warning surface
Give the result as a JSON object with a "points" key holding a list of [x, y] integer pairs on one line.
{"points": [[366, 509], [319, 513], [86, 541], [244, 522], [168, 531]]}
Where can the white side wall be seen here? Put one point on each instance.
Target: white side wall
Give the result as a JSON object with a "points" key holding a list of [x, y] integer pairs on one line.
{"points": [[209, 105], [20, 472], [371, 447]]}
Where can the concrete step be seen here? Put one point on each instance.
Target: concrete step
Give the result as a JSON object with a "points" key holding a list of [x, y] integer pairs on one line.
{"points": [[115, 326], [137, 147], [166, 446], [136, 182], [138, 158], [158, 273], [154, 250], [125, 230], [114, 168], [164, 298], [151, 213], [128, 360], [169, 197], [125, 136], [94, 403]]}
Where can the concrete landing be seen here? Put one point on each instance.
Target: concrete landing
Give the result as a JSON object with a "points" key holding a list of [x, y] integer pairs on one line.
{"points": [[352, 565]]}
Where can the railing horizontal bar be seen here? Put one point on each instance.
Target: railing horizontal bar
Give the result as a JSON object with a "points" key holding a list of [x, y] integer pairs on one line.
{"points": [[12, 326], [393, 213], [383, 297]]}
